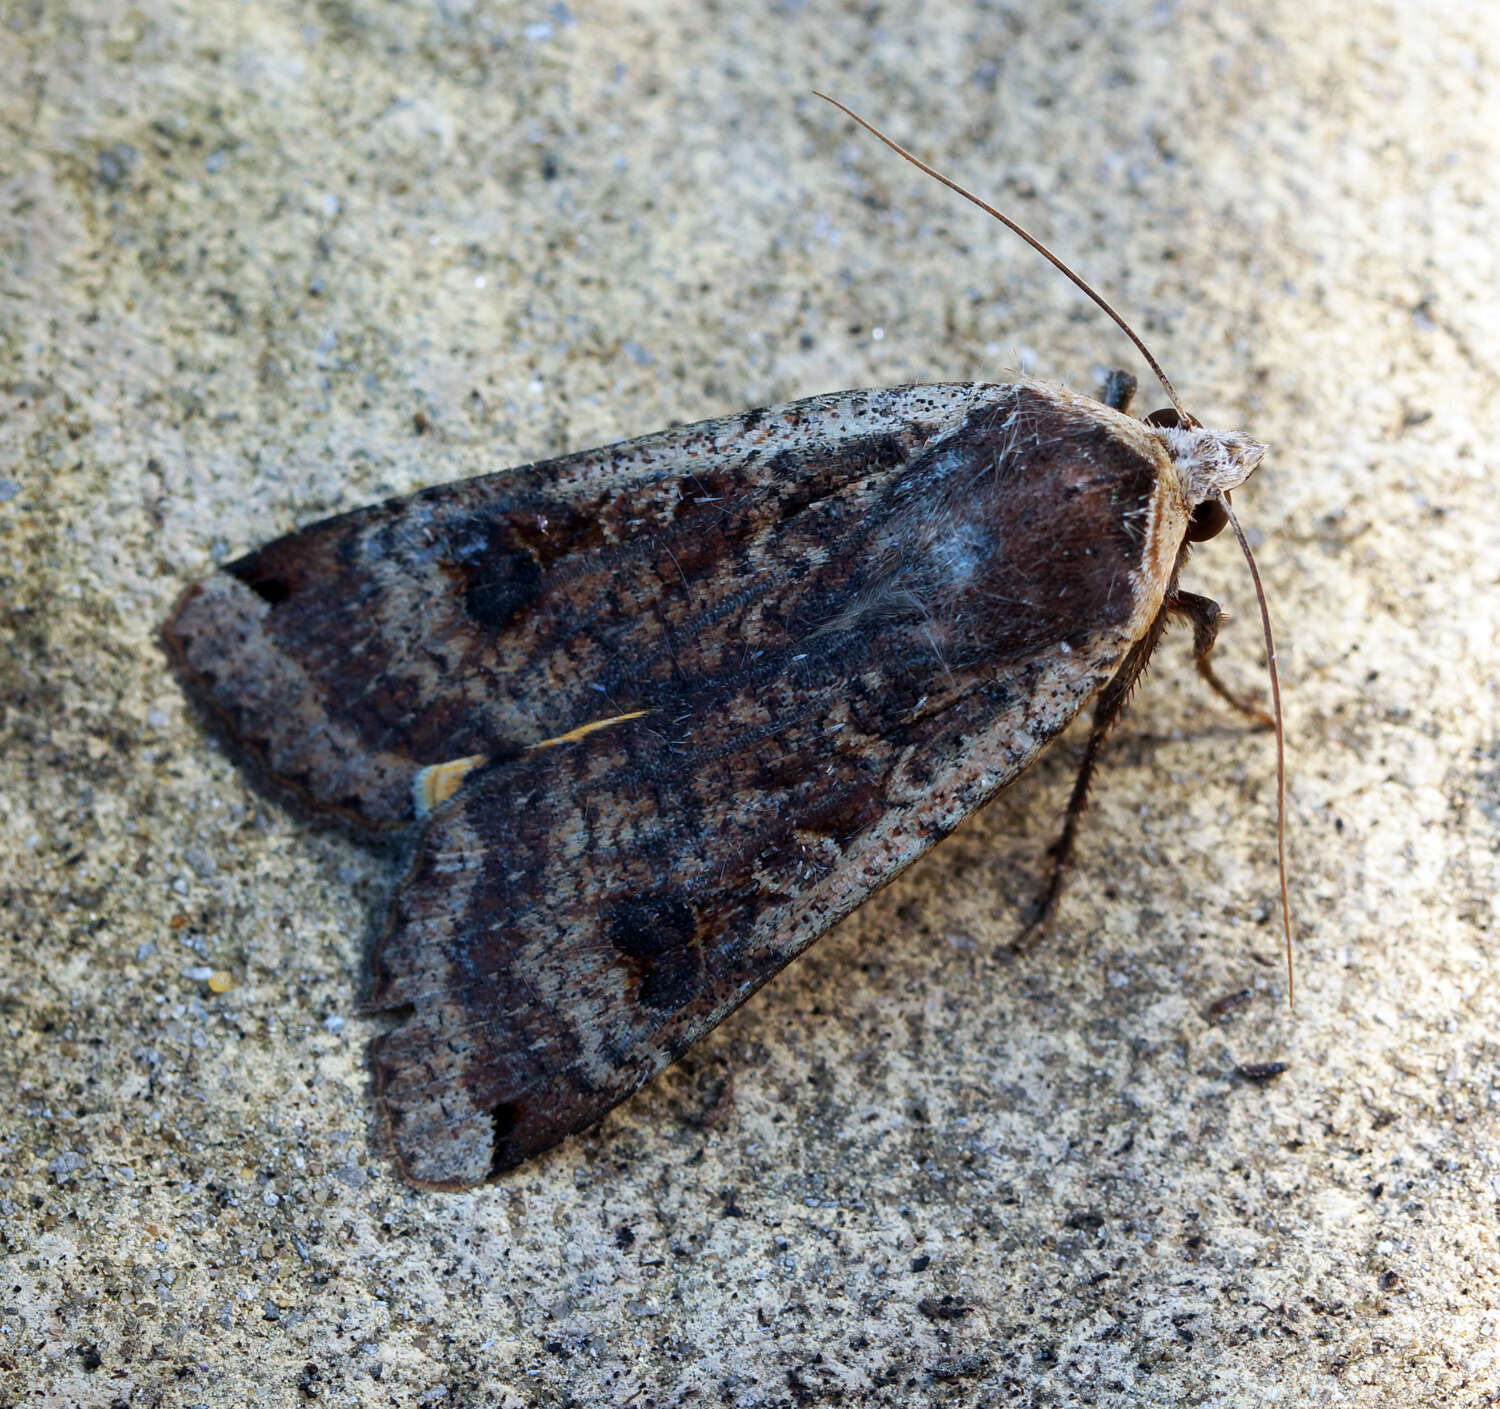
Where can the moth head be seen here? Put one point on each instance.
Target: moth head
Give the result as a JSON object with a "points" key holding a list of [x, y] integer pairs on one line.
{"points": [[1209, 464]]}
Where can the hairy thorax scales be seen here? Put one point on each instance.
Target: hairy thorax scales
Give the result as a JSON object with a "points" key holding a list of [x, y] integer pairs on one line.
{"points": [[1035, 522]]}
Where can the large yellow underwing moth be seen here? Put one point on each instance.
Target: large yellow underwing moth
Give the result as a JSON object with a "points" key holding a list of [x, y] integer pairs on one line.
{"points": [[667, 710]]}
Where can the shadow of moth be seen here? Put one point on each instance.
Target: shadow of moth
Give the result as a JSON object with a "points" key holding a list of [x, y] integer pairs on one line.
{"points": [[665, 711]]}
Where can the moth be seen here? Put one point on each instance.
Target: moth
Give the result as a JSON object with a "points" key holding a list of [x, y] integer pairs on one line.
{"points": [[664, 711]]}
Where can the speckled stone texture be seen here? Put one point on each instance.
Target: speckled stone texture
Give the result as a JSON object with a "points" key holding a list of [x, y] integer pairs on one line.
{"points": [[261, 264]]}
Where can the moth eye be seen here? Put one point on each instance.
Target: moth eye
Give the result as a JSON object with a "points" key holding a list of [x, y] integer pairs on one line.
{"points": [[1167, 416], [1208, 521]]}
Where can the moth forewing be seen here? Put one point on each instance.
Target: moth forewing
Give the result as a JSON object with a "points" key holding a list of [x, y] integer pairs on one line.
{"points": [[345, 657]]}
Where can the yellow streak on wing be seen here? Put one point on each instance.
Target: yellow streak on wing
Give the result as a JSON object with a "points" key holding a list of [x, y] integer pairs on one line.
{"points": [[434, 785], [573, 735]]}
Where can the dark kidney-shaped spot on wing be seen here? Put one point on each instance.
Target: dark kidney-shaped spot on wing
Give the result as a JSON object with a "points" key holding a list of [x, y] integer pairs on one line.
{"points": [[657, 937], [499, 578], [495, 595]]}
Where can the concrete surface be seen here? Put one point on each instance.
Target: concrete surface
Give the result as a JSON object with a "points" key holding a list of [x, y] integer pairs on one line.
{"points": [[243, 246]]}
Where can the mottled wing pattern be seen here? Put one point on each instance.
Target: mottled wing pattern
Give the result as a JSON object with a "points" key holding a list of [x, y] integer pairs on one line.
{"points": [[816, 718], [482, 616], [574, 921], [823, 633]]}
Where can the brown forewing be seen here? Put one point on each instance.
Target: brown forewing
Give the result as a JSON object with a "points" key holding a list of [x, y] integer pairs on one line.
{"points": [[482, 616]]}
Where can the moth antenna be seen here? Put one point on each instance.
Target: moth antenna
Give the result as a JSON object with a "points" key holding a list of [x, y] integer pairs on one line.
{"points": [[1265, 622], [1187, 420]]}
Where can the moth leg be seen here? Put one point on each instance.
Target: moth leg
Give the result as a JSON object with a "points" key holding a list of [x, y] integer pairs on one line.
{"points": [[1205, 616], [1118, 390], [1107, 709]]}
